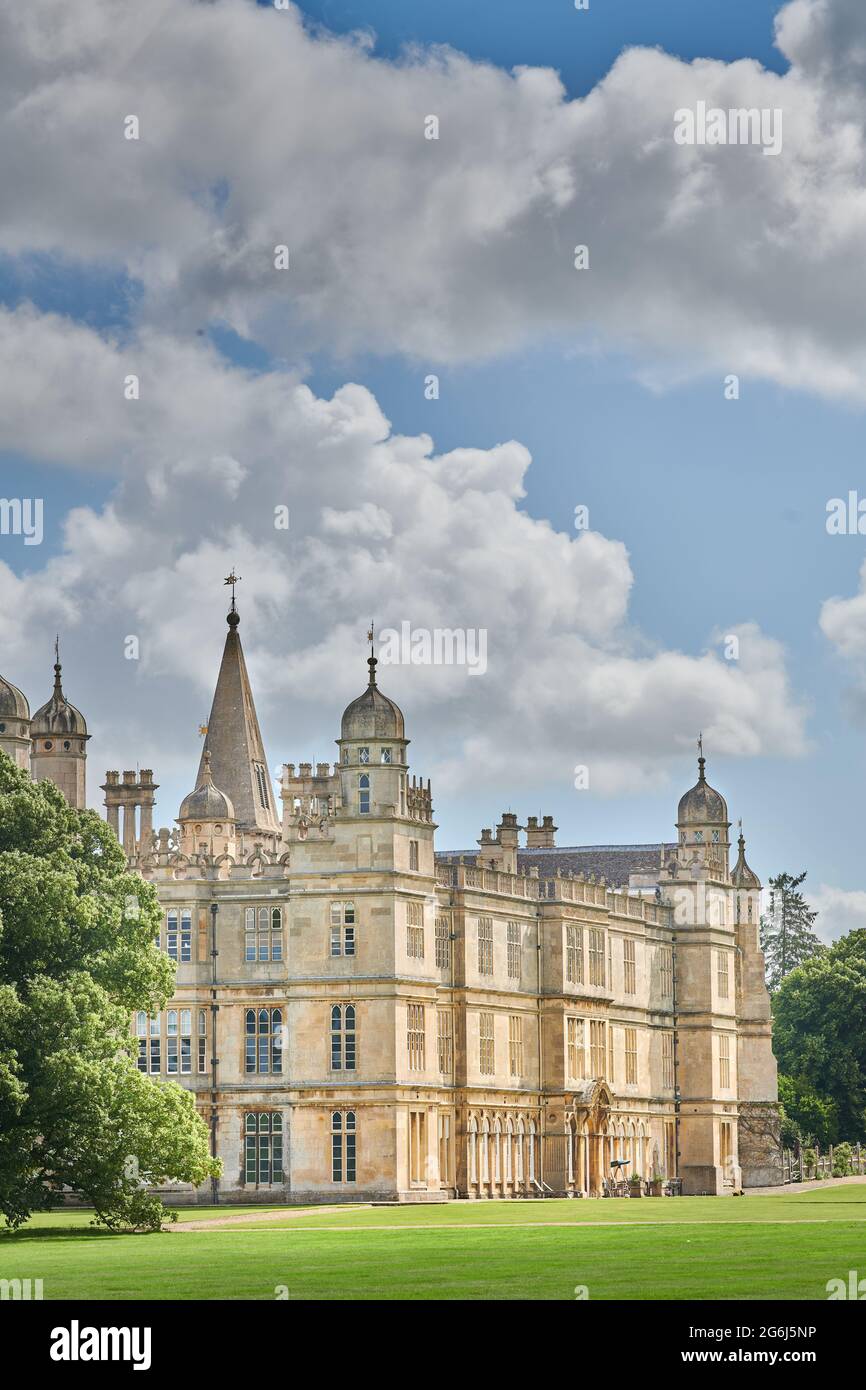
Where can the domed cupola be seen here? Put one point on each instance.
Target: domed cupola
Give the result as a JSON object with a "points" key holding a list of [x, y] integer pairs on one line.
{"points": [[207, 802], [59, 743], [58, 717], [14, 724], [703, 826], [207, 816], [372, 716], [702, 805], [13, 702]]}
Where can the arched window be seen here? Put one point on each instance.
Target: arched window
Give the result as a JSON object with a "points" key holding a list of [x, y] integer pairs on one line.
{"points": [[263, 933], [497, 1150], [263, 1148], [264, 1041], [521, 1140], [343, 1037], [141, 1034], [276, 933], [364, 794], [485, 1150], [532, 1151], [343, 1146], [171, 934], [202, 1040], [509, 1147]]}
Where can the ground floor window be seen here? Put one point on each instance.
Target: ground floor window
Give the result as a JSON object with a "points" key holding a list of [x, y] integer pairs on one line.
{"points": [[343, 1146], [418, 1147], [726, 1149], [263, 1145], [445, 1150], [670, 1149]]}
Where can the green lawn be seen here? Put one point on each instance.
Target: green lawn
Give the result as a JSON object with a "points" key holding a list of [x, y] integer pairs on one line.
{"points": [[783, 1247]]}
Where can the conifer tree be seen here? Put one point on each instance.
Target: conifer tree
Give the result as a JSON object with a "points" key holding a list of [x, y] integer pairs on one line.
{"points": [[787, 935]]}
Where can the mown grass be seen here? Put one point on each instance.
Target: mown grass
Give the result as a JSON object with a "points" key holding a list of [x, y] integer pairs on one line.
{"points": [[784, 1247]]}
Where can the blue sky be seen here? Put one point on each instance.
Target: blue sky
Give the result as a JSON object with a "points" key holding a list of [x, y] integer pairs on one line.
{"points": [[720, 504]]}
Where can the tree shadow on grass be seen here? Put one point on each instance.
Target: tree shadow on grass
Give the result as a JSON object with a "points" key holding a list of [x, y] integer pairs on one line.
{"points": [[58, 1233]]}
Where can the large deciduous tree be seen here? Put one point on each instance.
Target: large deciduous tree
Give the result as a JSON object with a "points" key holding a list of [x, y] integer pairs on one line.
{"points": [[77, 958], [819, 1037]]}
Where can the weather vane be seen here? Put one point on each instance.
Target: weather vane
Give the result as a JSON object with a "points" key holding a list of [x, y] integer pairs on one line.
{"points": [[202, 728], [370, 633], [700, 745], [232, 579]]}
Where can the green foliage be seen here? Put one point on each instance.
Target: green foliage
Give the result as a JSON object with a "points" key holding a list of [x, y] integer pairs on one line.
{"points": [[810, 1162], [808, 1117], [819, 1037], [787, 937], [790, 1132], [77, 957], [843, 1161]]}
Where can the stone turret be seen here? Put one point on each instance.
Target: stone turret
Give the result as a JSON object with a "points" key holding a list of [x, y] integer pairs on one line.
{"points": [[59, 743], [14, 724]]}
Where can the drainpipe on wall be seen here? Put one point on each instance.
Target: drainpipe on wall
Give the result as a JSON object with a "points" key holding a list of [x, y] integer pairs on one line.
{"points": [[676, 1053], [214, 1060]]}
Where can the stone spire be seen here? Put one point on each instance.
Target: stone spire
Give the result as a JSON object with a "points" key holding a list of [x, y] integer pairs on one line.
{"points": [[233, 745], [742, 876]]}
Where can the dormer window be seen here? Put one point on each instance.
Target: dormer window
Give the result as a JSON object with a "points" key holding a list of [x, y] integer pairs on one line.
{"points": [[363, 755], [386, 755]]}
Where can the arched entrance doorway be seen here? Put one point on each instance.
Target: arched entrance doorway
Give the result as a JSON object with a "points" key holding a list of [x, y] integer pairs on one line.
{"points": [[589, 1128]]}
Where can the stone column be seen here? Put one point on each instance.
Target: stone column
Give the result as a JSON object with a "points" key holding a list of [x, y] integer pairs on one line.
{"points": [[147, 789], [130, 802], [112, 801]]}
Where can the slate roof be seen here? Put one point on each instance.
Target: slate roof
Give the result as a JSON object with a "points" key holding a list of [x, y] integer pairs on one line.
{"points": [[614, 862]]}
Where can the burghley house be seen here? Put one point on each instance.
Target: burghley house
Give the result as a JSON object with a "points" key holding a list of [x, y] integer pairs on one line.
{"points": [[362, 1017]]}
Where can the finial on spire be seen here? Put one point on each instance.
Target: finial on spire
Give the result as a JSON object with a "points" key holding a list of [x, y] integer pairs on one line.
{"points": [[233, 579], [57, 667], [371, 659], [702, 762]]}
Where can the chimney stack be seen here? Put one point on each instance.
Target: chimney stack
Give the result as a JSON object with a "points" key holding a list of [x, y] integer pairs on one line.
{"points": [[541, 836]]}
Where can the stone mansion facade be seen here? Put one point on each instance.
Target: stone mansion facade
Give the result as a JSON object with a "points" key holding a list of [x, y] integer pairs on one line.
{"points": [[360, 1017]]}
